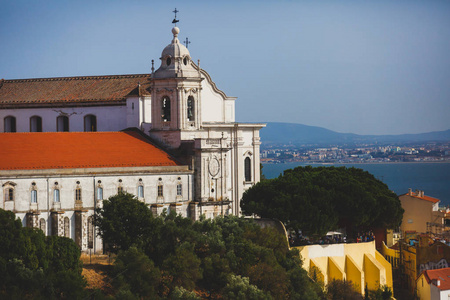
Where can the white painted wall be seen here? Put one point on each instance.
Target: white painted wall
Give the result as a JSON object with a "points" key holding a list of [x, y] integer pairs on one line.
{"points": [[109, 118]]}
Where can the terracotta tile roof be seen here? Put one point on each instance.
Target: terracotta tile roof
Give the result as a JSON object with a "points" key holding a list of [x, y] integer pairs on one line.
{"points": [[443, 275], [427, 198], [424, 197], [62, 150], [70, 89]]}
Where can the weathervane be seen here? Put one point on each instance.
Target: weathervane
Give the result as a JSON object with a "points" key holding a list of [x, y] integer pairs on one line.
{"points": [[175, 21], [187, 42]]}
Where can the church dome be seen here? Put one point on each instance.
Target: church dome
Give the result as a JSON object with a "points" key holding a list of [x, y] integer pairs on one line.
{"points": [[175, 60], [175, 49]]}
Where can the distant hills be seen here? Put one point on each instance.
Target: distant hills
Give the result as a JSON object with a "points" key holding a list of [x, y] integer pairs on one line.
{"points": [[299, 134]]}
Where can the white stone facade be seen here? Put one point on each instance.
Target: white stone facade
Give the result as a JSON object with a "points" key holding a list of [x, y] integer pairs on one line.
{"points": [[80, 191]]}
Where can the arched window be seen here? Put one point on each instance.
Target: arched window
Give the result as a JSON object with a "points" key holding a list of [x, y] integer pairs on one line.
{"points": [[35, 124], [67, 227], [165, 109], [248, 169], [90, 123], [62, 123], [190, 109], [10, 124], [8, 191]]}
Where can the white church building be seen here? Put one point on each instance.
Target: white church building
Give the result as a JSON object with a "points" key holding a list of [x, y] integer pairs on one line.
{"points": [[168, 137]]}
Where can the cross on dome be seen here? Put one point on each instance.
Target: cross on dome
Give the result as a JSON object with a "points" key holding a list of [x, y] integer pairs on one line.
{"points": [[175, 21]]}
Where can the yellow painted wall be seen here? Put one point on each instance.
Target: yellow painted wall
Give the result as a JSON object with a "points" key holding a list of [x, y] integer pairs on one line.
{"points": [[417, 213], [388, 267], [354, 274], [359, 263], [423, 288]]}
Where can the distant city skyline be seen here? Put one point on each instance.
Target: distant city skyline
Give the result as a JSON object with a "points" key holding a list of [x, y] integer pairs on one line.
{"points": [[364, 67]]}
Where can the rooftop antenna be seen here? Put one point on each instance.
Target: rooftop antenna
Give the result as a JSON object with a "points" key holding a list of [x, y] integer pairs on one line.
{"points": [[175, 21], [187, 42]]}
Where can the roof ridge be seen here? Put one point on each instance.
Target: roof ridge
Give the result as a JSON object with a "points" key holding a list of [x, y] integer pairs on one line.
{"points": [[76, 78]]}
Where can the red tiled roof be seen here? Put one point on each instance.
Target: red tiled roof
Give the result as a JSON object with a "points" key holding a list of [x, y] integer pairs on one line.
{"points": [[70, 89], [63, 150], [427, 198], [424, 197], [443, 275]]}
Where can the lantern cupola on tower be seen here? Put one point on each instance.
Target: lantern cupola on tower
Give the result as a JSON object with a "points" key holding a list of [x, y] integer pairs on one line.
{"points": [[175, 60]]}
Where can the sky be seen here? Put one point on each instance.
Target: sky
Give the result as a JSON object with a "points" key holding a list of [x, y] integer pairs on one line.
{"points": [[365, 67]]}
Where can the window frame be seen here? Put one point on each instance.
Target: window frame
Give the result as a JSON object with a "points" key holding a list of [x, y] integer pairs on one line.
{"points": [[166, 109], [160, 190], [34, 196], [11, 121], [179, 189], [78, 196], [38, 120], [248, 169], [91, 121], [65, 123], [56, 195], [140, 191], [190, 109]]}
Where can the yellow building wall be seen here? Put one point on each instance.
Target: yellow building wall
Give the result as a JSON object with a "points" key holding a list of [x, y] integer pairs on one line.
{"points": [[354, 274], [372, 272], [359, 263], [334, 270], [423, 288], [417, 213], [388, 268]]}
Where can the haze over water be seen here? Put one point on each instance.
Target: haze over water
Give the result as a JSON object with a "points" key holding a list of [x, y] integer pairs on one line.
{"points": [[432, 178]]}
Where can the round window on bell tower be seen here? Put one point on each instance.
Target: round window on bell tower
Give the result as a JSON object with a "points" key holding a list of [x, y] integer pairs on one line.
{"points": [[185, 61], [168, 61]]}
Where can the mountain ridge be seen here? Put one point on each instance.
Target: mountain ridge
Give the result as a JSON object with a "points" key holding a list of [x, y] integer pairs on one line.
{"points": [[300, 134]]}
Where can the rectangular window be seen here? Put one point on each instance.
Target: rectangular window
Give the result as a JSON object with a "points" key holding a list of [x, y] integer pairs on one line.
{"points": [[160, 191], [56, 195], [33, 196], [78, 194], [120, 190], [99, 193], [141, 191], [9, 194], [179, 190]]}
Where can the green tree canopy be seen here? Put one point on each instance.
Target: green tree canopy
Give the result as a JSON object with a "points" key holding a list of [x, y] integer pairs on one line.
{"points": [[200, 256], [123, 221], [33, 266], [316, 200]]}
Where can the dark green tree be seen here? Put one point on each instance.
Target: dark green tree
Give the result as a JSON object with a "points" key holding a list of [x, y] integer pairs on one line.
{"points": [[123, 221], [316, 200], [33, 266], [134, 271]]}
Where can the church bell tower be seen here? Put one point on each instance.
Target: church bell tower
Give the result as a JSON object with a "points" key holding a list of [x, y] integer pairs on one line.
{"points": [[175, 93]]}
